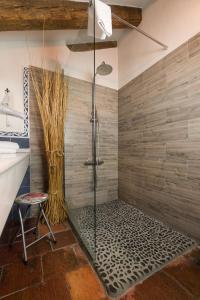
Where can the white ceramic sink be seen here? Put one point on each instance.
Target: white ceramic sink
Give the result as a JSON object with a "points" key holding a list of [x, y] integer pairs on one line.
{"points": [[12, 171]]}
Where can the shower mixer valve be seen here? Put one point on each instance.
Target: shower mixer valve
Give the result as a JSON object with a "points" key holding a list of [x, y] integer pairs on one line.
{"points": [[92, 163]]}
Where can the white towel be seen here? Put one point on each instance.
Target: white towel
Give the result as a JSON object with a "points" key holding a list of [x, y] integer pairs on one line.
{"points": [[8, 145], [103, 20], [11, 155], [7, 151]]}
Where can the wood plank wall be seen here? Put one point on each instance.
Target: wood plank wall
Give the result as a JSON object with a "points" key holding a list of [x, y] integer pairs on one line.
{"points": [[78, 177], [159, 139]]}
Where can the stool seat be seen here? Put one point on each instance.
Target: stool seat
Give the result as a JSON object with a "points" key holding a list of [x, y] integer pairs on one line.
{"points": [[31, 198]]}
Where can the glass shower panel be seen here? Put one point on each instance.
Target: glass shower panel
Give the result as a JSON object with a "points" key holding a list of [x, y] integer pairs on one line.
{"points": [[79, 170], [91, 135], [106, 91]]}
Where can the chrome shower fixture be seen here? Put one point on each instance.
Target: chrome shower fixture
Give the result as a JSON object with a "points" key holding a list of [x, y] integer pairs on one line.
{"points": [[104, 69]]}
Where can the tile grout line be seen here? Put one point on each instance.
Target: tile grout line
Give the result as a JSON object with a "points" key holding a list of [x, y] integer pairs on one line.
{"points": [[13, 293], [66, 246], [178, 283], [27, 287], [21, 290], [42, 269], [30, 257]]}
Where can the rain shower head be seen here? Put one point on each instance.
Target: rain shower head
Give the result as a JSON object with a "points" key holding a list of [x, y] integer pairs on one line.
{"points": [[104, 69]]}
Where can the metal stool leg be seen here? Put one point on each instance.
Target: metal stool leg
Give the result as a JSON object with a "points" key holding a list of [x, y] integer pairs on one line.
{"points": [[16, 234], [23, 235], [48, 225]]}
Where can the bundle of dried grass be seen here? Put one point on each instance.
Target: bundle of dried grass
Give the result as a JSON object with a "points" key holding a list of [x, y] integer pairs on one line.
{"points": [[51, 94]]}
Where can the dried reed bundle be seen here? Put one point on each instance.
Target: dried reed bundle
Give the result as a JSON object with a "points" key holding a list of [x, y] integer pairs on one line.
{"points": [[51, 94]]}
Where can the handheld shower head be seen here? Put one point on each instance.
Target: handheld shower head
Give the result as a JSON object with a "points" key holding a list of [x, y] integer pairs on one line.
{"points": [[104, 69]]}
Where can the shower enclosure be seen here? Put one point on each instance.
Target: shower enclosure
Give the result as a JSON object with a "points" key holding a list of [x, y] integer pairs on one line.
{"points": [[125, 244], [91, 133], [90, 152]]}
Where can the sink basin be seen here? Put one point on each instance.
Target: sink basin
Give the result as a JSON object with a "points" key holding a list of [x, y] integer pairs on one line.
{"points": [[12, 171]]}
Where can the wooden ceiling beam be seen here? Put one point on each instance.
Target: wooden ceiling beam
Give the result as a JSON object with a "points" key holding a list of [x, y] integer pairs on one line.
{"points": [[19, 15], [90, 46]]}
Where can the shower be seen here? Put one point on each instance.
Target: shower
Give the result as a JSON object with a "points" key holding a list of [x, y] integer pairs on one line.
{"points": [[103, 70], [109, 181]]}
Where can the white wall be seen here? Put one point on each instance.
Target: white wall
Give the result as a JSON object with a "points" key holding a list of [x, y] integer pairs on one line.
{"points": [[172, 22], [15, 55]]}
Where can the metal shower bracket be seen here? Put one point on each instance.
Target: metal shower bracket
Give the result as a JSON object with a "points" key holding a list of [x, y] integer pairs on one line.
{"points": [[165, 47]]}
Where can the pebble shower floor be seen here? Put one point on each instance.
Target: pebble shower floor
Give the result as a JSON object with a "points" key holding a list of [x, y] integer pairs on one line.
{"points": [[131, 246]]}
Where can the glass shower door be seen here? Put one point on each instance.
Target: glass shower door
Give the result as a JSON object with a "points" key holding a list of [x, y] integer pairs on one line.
{"points": [[106, 92], [79, 141]]}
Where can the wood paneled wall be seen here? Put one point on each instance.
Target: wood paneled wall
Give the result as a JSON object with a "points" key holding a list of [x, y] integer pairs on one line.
{"points": [[78, 133], [78, 177], [159, 139]]}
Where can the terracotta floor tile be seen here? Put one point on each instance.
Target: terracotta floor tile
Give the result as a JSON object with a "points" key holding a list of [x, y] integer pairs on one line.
{"points": [[4, 239], [65, 238], [28, 224], [187, 272], [17, 276], [55, 228], [30, 237], [54, 289], [80, 255], [67, 225], [157, 287], [84, 285], [67, 275], [194, 254], [40, 248], [178, 260], [12, 254], [130, 296], [9, 228], [59, 262]]}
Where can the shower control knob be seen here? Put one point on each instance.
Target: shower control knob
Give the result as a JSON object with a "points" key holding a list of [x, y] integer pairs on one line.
{"points": [[92, 163]]}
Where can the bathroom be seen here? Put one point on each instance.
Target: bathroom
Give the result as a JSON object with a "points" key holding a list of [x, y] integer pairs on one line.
{"points": [[99, 150]]}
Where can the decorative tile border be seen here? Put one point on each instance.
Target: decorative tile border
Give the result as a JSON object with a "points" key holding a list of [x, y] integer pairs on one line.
{"points": [[25, 133]]}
